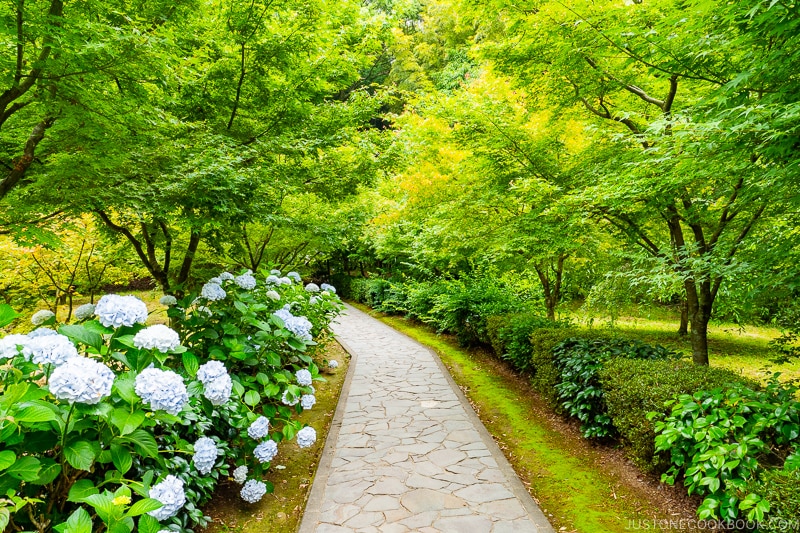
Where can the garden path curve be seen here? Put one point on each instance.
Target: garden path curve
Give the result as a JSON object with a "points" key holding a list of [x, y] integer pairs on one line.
{"points": [[406, 452]]}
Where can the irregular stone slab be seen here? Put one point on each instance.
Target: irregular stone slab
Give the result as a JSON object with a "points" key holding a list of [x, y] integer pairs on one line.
{"points": [[406, 452]]}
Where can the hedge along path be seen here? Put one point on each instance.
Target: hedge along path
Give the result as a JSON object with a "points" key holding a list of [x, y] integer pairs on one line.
{"points": [[406, 452]]}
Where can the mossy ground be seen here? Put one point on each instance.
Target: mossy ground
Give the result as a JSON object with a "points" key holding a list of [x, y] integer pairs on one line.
{"points": [[580, 487], [281, 511]]}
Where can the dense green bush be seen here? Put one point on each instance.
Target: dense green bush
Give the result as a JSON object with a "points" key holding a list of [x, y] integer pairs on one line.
{"points": [[510, 334], [540, 363], [635, 387], [781, 488], [721, 440], [579, 389]]}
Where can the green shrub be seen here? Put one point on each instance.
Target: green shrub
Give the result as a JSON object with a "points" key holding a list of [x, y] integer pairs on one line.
{"points": [[635, 387], [540, 362], [721, 440], [421, 298], [579, 389], [511, 333], [781, 488]]}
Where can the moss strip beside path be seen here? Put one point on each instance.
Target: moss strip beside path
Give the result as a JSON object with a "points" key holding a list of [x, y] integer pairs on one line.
{"points": [[569, 481]]}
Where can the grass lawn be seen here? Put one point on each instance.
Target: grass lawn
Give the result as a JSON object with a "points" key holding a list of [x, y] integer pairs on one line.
{"points": [[742, 349]]}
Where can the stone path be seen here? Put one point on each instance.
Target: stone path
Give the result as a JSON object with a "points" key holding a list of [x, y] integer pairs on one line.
{"points": [[406, 452]]}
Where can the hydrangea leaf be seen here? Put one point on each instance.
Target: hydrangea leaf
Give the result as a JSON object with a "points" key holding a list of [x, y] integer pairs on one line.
{"points": [[7, 315], [78, 522], [121, 457], [127, 421], [80, 334], [143, 506], [7, 458], [80, 454], [25, 468], [82, 489], [190, 363], [49, 471]]}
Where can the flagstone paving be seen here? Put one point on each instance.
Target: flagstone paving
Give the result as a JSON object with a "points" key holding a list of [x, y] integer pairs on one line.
{"points": [[406, 452]]}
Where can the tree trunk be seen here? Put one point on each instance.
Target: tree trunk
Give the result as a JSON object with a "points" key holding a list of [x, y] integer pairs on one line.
{"points": [[683, 329], [700, 337]]}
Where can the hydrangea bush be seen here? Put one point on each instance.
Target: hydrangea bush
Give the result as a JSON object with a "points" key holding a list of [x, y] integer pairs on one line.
{"points": [[111, 424]]}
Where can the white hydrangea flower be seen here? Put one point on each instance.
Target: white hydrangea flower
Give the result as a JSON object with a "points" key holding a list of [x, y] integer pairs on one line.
{"points": [[246, 281], [266, 451], [218, 391], [253, 491], [286, 401], [312, 287], [9, 343], [213, 292], [205, 310], [205, 454], [81, 380], [275, 272], [41, 316], [328, 288], [306, 437], [307, 401], [42, 332], [240, 474], [115, 311], [84, 312], [303, 377], [333, 363], [314, 300], [168, 300], [51, 349], [210, 371], [259, 428], [225, 276], [273, 280], [285, 281], [162, 389], [273, 295], [295, 276], [157, 337], [171, 495]]}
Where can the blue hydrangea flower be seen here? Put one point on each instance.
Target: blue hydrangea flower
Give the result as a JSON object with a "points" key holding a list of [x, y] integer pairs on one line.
{"points": [[295, 276], [240, 474], [225, 276], [259, 428], [42, 316], [266, 451], [51, 349], [42, 332], [205, 454], [9, 346], [246, 281], [333, 364], [312, 287], [84, 312], [168, 300], [327, 287], [273, 280], [81, 380], [307, 401], [213, 292], [300, 326], [218, 391], [306, 437], [286, 401], [171, 495], [303, 377], [210, 371], [115, 311], [275, 272], [158, 337], [162, 389], [253, 491], [314, 300]]}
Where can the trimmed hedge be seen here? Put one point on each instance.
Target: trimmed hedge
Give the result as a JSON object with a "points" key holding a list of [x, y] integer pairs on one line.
{"points": [[782, 490], [635, 387], [510, 334]]}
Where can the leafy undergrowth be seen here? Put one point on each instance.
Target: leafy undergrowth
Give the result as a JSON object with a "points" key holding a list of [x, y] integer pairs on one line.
{"points": [[581, 488], [282, 510]]}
